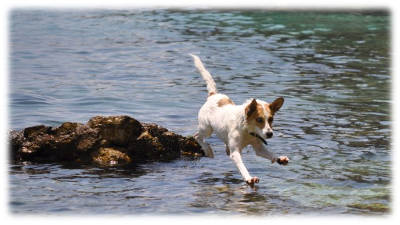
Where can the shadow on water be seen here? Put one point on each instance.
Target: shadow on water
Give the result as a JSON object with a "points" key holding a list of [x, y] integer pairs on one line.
{"points": [[77, 170], [230, 195]]}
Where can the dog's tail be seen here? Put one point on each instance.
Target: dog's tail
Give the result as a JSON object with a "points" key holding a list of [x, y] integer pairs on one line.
{"points": [[212, 89]]}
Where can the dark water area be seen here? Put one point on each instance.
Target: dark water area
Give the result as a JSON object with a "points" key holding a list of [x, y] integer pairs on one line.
{"points": [[332, 68]]}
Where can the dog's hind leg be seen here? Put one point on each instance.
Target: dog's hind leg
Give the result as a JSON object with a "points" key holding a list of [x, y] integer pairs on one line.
{"points": [[228, 152], [200, 136]]}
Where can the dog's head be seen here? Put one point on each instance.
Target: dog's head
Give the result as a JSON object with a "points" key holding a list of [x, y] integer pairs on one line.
{"points": [[260, 115]]}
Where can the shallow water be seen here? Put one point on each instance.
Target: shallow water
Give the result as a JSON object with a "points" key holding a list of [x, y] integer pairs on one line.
{"points": [[332, 68]]}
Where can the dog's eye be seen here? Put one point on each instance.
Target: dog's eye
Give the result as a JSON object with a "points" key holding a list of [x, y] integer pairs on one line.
{"points": [[260, 120], [270, 119]]}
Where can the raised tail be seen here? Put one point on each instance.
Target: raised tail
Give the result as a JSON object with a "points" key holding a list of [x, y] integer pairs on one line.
{"points": [[211, 88]]}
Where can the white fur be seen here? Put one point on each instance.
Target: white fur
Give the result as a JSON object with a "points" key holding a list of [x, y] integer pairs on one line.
{"points": [[211, 87], [229, 124]]}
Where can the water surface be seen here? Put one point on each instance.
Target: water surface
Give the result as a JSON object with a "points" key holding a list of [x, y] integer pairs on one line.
{"points": [[332, 68]]}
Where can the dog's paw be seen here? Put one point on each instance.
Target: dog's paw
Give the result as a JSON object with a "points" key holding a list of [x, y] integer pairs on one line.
{"points": [[252, 181], [282, 160]]}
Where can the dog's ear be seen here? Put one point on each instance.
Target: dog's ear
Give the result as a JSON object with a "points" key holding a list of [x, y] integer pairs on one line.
{"points": [[276, 105], [251, 108]]}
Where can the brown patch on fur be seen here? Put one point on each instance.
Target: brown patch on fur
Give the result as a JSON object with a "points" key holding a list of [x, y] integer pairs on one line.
{"points": [[254, 111], [276, 105], [251, 108], [266, 106], [270, 118], [225, 101], [211, 93], [273, 108]]}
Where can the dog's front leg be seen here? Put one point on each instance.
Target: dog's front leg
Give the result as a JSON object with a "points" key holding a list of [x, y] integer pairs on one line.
{"points": [[237, 159], [262, 151]]}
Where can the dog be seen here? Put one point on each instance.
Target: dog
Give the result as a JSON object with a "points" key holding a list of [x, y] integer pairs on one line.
{"points": [[236, 125]]}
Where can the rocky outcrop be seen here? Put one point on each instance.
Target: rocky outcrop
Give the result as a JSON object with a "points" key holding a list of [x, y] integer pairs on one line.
{"points": [[106, 141]]}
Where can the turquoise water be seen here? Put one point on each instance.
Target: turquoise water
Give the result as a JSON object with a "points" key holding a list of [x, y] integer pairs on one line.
{"points": [[332, 68]]}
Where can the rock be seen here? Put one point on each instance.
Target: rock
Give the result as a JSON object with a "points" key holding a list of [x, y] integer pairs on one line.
{"points": [[147, 148], [119, 130], [110, 157], [105, 141], [187, 147], [66, 128], [88, 139], [35, 130]]}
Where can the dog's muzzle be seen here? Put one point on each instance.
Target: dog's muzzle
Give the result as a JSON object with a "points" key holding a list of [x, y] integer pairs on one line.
{"points": [[259, 137]]}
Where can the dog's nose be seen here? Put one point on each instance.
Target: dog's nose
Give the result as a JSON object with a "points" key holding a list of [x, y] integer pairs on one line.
{"points": [[269, 134]]}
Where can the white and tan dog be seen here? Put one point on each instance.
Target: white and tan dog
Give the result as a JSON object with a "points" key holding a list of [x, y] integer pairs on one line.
{"points": [[236, 125]]}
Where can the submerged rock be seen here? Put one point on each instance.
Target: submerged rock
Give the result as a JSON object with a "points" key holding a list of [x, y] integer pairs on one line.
{"points": [[106, 141]]}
